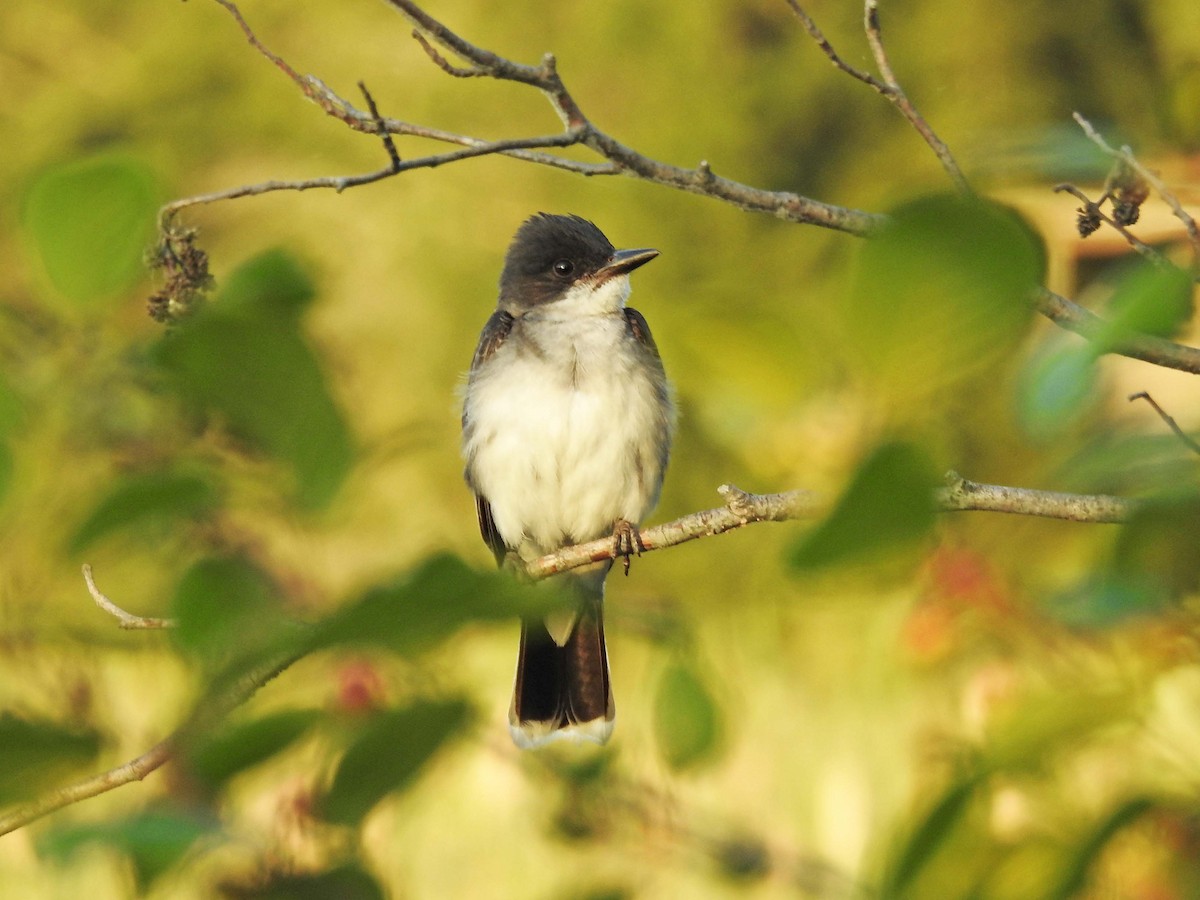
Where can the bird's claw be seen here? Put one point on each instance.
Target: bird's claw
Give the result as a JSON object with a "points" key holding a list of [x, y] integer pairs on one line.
{"points": [[627, 540]]}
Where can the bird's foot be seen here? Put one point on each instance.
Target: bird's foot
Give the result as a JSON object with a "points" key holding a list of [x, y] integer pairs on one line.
{"points": [[627, 540]]}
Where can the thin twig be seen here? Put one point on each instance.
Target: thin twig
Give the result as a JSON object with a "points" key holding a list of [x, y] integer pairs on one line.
{"points": [[126, 620], [827, 48], [1125, 155], [1188, 441], [444, 64], [900, 99], [381, 128], [340, 183]]}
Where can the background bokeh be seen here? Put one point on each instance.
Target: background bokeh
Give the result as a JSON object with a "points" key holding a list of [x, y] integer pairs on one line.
{"points": [[970, 715]]}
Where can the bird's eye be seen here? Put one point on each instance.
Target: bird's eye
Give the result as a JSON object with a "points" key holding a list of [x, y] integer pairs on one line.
{"points": [[563, 267]]}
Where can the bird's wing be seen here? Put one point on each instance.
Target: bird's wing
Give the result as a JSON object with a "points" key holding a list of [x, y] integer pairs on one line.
{"points": [[494, 332], [493, 335], [640, 331]]}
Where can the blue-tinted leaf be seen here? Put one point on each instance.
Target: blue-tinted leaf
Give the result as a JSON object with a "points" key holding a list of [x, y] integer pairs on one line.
{"points": [[249, 362], [156, 496], [154, 840], [1103, 601], [887, 507], [1056, 388], [35, 754], [389, 755], [215, 758], [88, 221], [687, 723]]}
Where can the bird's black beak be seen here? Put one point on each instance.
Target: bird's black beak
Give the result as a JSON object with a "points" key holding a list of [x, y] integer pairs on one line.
{"points": [[622, 262]]}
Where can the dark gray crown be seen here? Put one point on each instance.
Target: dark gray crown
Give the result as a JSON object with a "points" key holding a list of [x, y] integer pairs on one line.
{"points": [[547, 255]]}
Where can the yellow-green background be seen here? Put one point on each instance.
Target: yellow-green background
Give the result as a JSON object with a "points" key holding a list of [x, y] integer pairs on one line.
{"points": [[847, 699]]}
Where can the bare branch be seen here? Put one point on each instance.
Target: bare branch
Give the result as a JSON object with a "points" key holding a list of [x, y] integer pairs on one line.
{"points": [[742, 508], [127, 620], [619, 159], [961, 494], [340, 183], [1125, 156], [1169, 420], [1084, 322]]}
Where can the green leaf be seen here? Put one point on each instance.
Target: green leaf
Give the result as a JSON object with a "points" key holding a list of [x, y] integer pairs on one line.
{"points": [[1157, 549], [7, 467], [1150, 299], [155, 496], [11, 412], [416, 612], [154, 840], [217, 757], [389, 756], [228, 613], [272, 282], [943, 292], [1075, 875], [249, 362], [87, 222], [344, 883], [36, 754], [687, 723], [887, 507], [929, 835], [1025, 737]]}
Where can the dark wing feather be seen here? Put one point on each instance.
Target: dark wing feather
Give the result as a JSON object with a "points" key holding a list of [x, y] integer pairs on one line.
{"points": [[640, 331], [493, 335], [494, 332], [487, 528]]}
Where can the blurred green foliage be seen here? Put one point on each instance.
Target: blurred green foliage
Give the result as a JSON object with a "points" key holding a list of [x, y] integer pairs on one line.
{"points": [[687, 722], [88, 222], [1013, 715]]}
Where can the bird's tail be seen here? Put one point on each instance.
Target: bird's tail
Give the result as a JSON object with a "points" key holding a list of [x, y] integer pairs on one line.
{"points": [[562, 687]]}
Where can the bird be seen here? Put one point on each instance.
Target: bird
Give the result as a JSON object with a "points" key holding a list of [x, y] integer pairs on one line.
{"points": [[567, 424]]}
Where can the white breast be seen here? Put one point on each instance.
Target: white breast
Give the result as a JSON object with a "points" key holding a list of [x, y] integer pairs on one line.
{"points": [[565, 430]]}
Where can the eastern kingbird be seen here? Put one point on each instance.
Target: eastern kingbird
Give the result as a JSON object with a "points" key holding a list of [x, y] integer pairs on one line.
{"points": [[567, 422]]}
